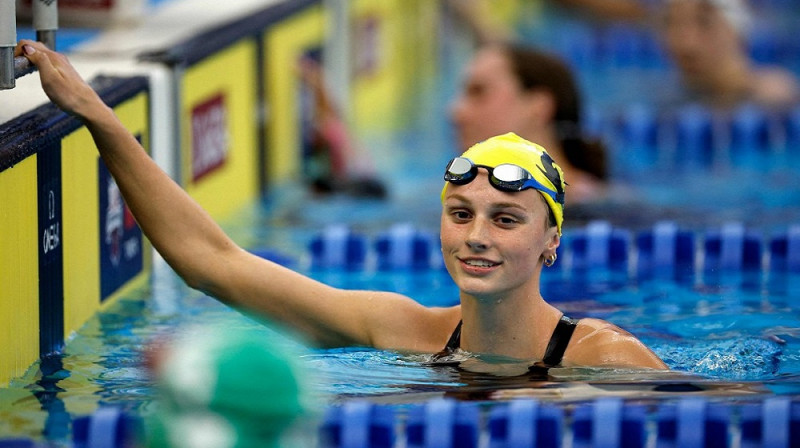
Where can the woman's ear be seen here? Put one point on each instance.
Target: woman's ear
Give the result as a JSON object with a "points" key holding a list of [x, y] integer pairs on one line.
{"points": [[541, 106], [555, 239]]}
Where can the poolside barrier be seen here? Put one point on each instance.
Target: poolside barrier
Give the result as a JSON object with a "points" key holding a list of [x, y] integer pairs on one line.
{"points": [[750, 130], [108, 427], [599, 245], [359, 423], [523, 423], [695, 137], [443, 423], [625, 47], [68, 243], [732, 248], [785, 251], [775, 422], [693, 422], [405, 247], [338, 247], [665, 249], [687, 422], [608, 422]]}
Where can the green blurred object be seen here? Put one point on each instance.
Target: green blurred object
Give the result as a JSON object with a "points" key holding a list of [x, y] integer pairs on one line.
{"points": [[227, 388]]}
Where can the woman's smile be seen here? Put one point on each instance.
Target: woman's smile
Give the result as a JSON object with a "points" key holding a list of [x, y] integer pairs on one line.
{"points": [[478, 266]]}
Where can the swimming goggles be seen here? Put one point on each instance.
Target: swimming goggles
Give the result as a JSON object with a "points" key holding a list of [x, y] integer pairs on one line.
{"points": [[504, 177]]}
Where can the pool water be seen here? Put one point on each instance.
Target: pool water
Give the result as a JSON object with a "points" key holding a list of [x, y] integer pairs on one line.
{"points": [[733, 335]]}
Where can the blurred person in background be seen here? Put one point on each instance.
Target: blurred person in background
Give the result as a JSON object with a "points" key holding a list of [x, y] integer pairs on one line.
{"points": [[520, 89], [335, 164], [513, 87], [707, 40]]}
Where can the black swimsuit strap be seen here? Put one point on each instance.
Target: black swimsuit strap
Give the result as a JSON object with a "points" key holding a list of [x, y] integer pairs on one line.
{"points": [[559, 341], [555, 348], [455, 339]]}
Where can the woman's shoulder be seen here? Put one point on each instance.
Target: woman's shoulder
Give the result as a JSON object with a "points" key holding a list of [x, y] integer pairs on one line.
{"points": [[599, 343]]}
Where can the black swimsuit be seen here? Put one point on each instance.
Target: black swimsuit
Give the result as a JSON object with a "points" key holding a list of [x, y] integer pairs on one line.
{"points": [[555, 348]]}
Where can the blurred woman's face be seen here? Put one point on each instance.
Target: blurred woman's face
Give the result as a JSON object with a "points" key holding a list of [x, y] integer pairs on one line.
{"points": [[491, 101], [699, 39]]}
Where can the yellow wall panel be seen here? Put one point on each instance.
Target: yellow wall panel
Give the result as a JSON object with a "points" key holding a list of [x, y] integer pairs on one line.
{"points": [[19, 275], [394, 59], [82, 232], [219, 119], [284, 44]]}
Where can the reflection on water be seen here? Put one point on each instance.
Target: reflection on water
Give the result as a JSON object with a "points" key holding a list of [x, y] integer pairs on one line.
{"points": [[390, 377]]}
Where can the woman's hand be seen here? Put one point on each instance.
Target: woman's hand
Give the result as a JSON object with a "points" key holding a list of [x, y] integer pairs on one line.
{"points": [[60, 81]]}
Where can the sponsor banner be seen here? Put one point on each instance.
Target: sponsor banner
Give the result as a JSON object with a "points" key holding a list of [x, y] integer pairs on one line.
{"points": [[51, 250], [219, 129], [121, 253], [210, 140]]}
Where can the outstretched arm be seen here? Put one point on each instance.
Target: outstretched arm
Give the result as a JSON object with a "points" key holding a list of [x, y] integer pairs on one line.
{"points": [[161, 207], [210, 261]]}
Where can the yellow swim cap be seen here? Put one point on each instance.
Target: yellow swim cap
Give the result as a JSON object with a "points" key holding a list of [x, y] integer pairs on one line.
{"points": [[512, 149]]}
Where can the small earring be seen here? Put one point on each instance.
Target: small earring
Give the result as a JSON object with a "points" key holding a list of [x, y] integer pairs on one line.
{"points": [[551, 260]]}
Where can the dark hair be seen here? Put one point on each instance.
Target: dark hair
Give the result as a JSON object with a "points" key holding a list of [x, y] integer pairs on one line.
{"points": [[536, 69]]}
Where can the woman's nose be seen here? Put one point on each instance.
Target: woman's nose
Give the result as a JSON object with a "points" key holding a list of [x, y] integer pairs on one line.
{"points": [[478, 237]]}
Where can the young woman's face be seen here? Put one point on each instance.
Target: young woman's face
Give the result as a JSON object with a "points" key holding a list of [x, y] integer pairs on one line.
{"points": [[698, 38], [491, 102], [493, 242]]}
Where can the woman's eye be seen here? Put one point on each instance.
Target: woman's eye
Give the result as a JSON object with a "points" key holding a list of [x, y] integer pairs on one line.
{"points": [[507, 220], [460, 215]]}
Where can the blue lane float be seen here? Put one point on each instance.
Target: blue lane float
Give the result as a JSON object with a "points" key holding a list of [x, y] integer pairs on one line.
{"points": [[732, 248], [637, 131], [357, 424], [664, 249], [405, 247], [693, 422], [785, 251], [775, 422], [750, 131], [607, 422], [695, 136], [443, 423], [525, 423], [108, 427], [337, 247], [600, 245], [687, 422]]}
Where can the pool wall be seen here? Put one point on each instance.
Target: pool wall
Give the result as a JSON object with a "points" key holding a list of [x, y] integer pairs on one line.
{"points": [[67, 243], [220, 111]]}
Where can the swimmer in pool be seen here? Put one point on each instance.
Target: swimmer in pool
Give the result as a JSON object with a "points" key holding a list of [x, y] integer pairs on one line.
{"points": [[518, 88], [501, 223], [707, 40]]}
